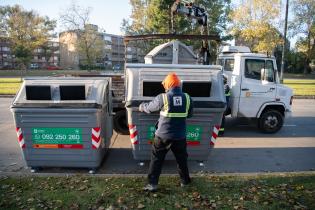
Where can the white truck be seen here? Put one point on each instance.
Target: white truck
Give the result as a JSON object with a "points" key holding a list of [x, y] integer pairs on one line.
{"points": [[255, 88], [256, 92]]}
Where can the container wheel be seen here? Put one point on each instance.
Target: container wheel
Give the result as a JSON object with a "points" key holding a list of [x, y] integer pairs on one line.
{"points": [[34, 169], [270, 121], [201, 164], [92, 171], [141, 163], [120, 123]]}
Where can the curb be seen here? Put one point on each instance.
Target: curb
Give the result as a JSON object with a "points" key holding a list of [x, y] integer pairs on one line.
{"points": [[4, 175], [7, 96], [303, 97], [294, 97]]}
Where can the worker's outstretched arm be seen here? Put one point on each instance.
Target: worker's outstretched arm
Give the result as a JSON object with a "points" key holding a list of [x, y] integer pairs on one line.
{"points": [[155, 105], [191, 108]]}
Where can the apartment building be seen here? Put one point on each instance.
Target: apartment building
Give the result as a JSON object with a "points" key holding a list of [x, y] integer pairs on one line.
{"points": [[42, 57], [113, 56], [116, 53], [6, 57]]}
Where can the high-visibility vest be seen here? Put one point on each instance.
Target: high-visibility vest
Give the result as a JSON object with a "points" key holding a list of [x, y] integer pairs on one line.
{"points": [[165, 112], [227, 90]]}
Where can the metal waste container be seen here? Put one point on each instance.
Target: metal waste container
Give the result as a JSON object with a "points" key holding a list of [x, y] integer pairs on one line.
{"points": [[203, 83], [63, 122]]}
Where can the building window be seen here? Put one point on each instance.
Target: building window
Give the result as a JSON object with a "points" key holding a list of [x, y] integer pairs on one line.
{"points": [[108, 38], [6, 49]]}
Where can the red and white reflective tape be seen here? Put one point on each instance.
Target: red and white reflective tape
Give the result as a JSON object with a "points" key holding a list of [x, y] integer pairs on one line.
{"points": [[133, 134], [20, 137], [96, 137], [215, 134]]}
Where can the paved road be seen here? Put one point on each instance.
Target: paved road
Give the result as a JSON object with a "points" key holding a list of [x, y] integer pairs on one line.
{"points": [[243, 149]]}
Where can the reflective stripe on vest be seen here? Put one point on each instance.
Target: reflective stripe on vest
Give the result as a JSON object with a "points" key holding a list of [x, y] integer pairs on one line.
{"points": [[166, 113]]}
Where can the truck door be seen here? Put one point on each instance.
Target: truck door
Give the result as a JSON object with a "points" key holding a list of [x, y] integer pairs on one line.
{"points": [[228, 67], [258, 86]]}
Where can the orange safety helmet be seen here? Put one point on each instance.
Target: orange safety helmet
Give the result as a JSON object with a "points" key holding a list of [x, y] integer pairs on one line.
{"points": [[170, 81]]}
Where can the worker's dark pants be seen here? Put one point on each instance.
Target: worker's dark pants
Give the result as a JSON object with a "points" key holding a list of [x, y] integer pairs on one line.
{"points": [[223, 118], [160, 148], [222, 124]]}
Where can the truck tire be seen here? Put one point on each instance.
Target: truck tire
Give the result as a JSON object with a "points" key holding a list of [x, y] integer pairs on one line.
{"points": [[270, 121], [120, 123]]}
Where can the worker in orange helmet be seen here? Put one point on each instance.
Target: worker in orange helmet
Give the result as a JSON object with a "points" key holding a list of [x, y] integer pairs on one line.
{"points": [[174, 106]]}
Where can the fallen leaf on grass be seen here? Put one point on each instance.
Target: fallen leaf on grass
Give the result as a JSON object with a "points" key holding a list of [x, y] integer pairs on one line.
{"points": [[110, 208], [140, 206], [196, 205], [101, 208], [120, 200], [74, 206], [30, 200], [177, 205], [82, 188]]}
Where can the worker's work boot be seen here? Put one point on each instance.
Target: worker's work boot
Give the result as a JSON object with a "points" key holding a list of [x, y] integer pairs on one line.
{"points": [[150, 187], [221, 132], [185, 183]]}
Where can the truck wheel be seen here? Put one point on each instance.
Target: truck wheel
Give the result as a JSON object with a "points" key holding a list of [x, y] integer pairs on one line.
{"points": [[270, 121], [120, 123]]}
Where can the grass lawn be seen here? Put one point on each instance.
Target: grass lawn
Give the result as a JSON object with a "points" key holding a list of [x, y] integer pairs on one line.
{"points": [[31, 73], [9, 86], [302, 87], [298, 76], [213, 192]]}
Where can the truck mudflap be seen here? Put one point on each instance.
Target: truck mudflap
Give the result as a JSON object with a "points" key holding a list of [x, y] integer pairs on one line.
{"points": [[288, 113]]}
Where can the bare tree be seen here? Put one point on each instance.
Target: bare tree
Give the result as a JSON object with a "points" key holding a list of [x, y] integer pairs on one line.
{"points": [[89, 42]]}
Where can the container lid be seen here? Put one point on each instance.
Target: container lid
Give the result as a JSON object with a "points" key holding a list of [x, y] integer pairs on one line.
{"points": [[67, 92], [173, 52]]}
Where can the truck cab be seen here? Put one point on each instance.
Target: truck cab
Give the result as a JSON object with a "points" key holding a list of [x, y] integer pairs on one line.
{"points": [[255, 88]]}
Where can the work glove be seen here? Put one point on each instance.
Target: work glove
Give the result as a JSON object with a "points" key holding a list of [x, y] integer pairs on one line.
{"points": [[141, 108]]}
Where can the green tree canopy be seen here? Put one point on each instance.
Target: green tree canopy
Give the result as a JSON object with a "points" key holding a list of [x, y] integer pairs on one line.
{"points": [[254, 22], [154, 16], [303, 26], [26, 31]]}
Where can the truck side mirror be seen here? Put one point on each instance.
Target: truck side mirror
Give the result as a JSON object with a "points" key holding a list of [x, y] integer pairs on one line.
{"points": [[262, 74]]}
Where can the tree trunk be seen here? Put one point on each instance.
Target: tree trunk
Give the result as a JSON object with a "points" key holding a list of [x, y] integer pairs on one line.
{"points": [[307, 67]]}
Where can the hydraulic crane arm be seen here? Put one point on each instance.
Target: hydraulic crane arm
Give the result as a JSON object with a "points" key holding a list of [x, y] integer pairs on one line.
{"points": [[191, 11], [194, 12]]}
